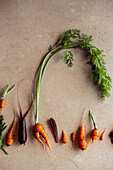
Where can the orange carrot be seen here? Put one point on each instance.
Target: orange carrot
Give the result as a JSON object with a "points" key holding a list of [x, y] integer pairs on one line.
{"points": [[102, 135], [64, 137], [95, 132], [2, 104], [2, 100], [73, 137], [39, 129], [82, 143], [10, 138]]}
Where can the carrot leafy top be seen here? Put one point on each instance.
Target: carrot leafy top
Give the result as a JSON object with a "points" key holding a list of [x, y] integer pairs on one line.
{"points": [[73, 39]]}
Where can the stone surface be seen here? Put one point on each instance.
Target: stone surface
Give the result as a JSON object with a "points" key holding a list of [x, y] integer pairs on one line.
{"points": [[27, 28]]}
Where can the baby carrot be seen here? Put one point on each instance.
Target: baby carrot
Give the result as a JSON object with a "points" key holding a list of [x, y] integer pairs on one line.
{"points": [[81, 138], [64, 137], [10, 138], [73, 137], [2, 100], [95, 132], [102, 135]]}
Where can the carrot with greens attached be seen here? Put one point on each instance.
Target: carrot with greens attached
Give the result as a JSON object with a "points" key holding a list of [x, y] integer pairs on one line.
{"points": [[82, 143], [2, 99], [10, 135], [95, 132], [22, 133], [38, 127]]}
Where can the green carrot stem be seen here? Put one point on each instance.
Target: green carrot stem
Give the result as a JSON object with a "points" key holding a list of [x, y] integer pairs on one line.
{"points": [[7, 91], [41, 71], [93, 119], [4, 150], [39, 80], [10, 89]]}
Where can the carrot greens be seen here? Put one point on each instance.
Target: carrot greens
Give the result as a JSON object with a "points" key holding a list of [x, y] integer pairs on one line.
{"points": [[73, 39]]}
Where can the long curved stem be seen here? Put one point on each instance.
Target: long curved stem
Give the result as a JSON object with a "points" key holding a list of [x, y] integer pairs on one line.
{"points": [[41, 71], [39, 80]]}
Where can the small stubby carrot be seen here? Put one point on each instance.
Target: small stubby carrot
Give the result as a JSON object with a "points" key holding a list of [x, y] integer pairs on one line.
{"points": [[64, 137], [39, 129], [95, 132], [10, 135], [2, 104], [73, 137], [102, 135], [2, 99], [82, 143]]}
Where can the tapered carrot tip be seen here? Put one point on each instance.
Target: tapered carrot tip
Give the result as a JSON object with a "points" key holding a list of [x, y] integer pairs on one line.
{"points": [[49, 147], [64, 137], [1, 110], [102, 135]]}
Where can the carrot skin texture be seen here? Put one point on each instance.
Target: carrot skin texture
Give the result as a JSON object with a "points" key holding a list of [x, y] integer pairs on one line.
{"points": [[22, 133], [54, 128], [38, 128], [10, 138], [82, 143]]}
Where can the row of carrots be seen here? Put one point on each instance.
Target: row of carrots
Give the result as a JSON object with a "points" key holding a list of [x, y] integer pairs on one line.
{"points": [[39, 129], [82, 143]]}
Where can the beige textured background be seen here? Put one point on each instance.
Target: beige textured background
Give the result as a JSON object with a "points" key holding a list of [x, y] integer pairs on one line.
{"points": [[27, 28]]}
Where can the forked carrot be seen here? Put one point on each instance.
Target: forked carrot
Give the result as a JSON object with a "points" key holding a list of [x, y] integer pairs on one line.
{"points": [[10, 138], [39, 129], [82, 143], [95, 132]]}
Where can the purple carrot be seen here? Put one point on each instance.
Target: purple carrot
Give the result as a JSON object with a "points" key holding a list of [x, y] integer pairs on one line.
{"points": [[54, 128], [22, 133]]}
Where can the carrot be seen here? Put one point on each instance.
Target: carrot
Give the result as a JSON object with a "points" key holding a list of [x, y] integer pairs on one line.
{"points": [[95, 132], [73, 137], [102, 135], [2, 104], [10, 138], [39, 129], [64, 137], [2, 100], [54, 128], [82, 143], [22, 133]]}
